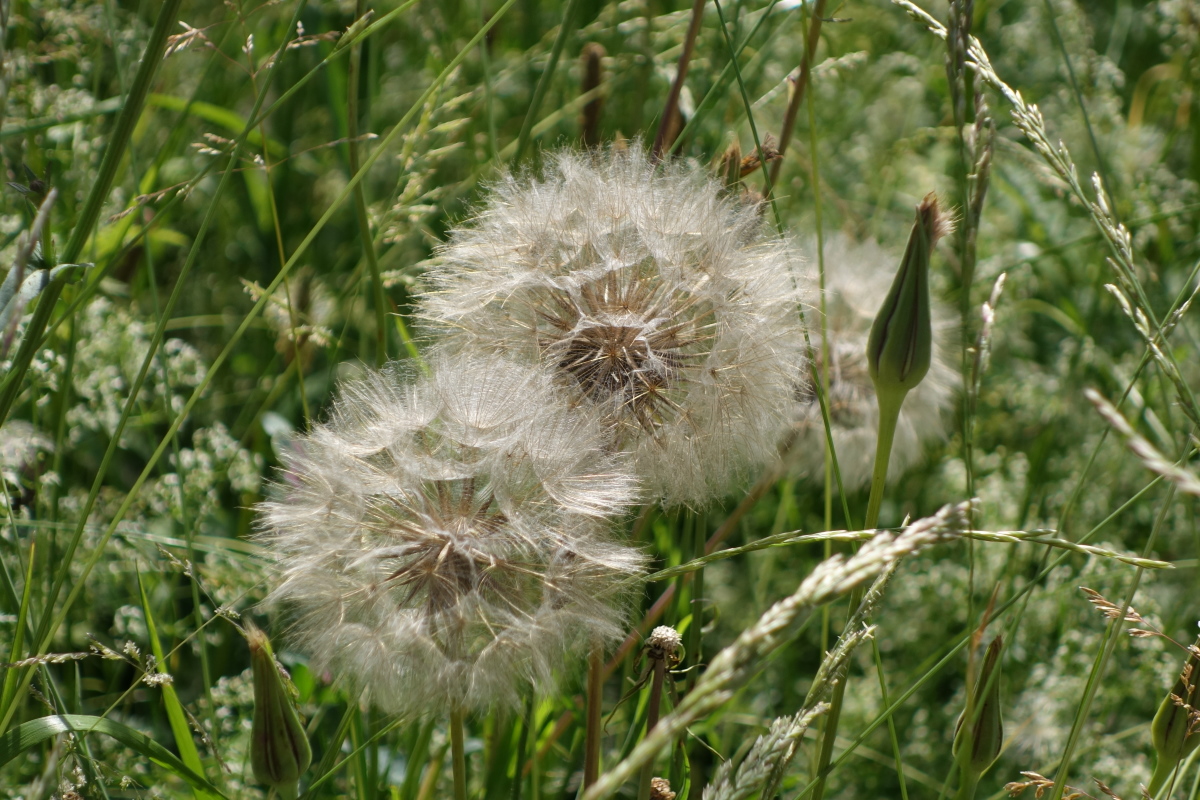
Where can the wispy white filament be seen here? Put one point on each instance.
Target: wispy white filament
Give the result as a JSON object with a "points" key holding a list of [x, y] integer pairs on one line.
{"points": [[442, 542], [659, 303]]}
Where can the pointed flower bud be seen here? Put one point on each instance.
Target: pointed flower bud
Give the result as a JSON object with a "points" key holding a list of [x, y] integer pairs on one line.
{"points": [[1175, 730], [900, 346], [279, 749], [977, 747]]}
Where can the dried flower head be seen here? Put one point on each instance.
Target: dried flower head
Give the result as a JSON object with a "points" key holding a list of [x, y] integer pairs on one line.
{"points": [[658, 302], [442, 542], [857, 276], [664, 643]]}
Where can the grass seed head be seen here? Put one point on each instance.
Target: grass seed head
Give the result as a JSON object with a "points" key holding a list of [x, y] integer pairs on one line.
{"points": [[659, 304], [443, 541]]}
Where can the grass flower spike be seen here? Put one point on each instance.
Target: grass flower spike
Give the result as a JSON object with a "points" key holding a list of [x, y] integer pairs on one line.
{"points": [[442, 543], [856, 278], [658, 302]]}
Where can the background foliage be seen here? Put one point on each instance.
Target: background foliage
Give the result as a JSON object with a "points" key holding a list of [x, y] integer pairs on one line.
{"points": [[204, 213]]}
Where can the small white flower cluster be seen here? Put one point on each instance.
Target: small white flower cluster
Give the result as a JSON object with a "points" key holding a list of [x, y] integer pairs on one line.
{"points": [[612, 333]]}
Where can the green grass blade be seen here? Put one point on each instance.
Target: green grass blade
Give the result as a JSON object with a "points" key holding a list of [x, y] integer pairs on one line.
{"points": [[24, 737], [539, 93], [175, 713]]}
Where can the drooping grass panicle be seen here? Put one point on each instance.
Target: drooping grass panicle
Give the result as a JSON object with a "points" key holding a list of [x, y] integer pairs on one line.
{"points": [[442, 542], [733, 666], [661, 304]]}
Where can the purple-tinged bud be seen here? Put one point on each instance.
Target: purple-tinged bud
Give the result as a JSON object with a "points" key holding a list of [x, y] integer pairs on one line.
{"points": [[279, 749]]}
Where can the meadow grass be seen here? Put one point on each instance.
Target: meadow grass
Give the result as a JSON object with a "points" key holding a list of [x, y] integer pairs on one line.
{"points": [[216, 214]]}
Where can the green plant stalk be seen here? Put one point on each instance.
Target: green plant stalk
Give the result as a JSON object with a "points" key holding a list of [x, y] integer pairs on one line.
{"points": [[895, 740], [1112, 635], [458, 753], [539, 93], [1163, 770], [593, 732], [122, 133], [360, 200], [10, 675], [652, 713], [889, 414], [261, 115], [968, 784], [523, 746]]}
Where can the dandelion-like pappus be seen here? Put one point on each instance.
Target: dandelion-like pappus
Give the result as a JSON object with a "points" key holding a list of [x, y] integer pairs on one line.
{"points": [[442, 542], [661, 304]]}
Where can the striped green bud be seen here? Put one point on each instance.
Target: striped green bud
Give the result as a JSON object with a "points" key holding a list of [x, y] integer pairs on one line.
{"points": [[978, 745], [279, 749], [1175, 730], [900, 345]]}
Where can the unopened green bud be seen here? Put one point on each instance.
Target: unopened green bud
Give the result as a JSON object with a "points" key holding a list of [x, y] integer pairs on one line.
{"points": [[1175, 730], [977, 746], [900, 346], [279, 750]]}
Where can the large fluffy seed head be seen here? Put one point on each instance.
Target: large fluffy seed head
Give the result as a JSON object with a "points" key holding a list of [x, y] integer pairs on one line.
{"points": [[660, 304], [857, 277], [441, 542]]}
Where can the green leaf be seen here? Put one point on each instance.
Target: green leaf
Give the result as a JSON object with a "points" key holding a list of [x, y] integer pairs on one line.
{"points": [[175, 713], [28, 735]]}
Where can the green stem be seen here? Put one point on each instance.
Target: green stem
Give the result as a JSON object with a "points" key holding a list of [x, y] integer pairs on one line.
{"points": [[458, 753], [1162, 774], [656, 687], [539, 92], [967, 784], [595, 691], [889, 415], [360, 200]]}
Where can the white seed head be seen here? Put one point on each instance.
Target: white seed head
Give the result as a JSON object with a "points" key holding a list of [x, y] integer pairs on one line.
{"points": [[664, 642], [857, 276], [660, 304], [442, 542]]}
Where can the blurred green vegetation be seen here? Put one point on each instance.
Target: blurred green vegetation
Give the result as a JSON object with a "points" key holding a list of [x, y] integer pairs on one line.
{"points": [[434, 122]]}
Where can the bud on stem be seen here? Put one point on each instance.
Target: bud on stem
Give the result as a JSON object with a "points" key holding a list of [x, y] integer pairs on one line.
{"points": [[1175, 730], [977, 744], [900, 346], [279, 749]]}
